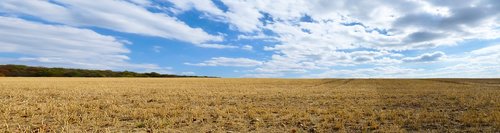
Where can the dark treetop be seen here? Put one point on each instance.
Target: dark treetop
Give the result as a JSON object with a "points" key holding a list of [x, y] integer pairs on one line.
{"points": [[29, 71]]}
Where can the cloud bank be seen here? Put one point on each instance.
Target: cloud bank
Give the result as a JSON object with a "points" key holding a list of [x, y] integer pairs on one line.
{"points": [[298, 38]]}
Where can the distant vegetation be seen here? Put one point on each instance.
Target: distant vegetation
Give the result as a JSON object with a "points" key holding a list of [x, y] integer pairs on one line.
{"points": [[29, 71]]}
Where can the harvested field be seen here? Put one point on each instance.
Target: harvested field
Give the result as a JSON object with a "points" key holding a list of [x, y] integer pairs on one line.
{"points": [[248, 105]]}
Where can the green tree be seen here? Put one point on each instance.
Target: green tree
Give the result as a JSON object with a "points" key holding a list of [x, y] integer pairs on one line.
{"points": [[153, 74], [28, 71]]}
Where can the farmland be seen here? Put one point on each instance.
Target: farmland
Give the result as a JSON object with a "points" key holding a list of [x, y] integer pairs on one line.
{"points": [[248, 105]]}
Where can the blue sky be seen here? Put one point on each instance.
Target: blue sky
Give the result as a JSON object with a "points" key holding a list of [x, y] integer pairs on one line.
{"points": [[257, 38]]}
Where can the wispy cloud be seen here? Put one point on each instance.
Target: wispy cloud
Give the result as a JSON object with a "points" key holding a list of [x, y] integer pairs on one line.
{"points": [[120, 16], [63, 46], [224, 61]]}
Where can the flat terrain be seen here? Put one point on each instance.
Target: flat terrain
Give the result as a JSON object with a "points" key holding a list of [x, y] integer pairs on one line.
{"points": [[248, 105]]}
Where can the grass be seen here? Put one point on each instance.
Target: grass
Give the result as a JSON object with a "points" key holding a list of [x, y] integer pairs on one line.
{"points": [[248, 105]]}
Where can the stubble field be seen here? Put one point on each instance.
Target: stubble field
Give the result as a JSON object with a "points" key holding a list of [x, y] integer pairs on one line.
{"points": [[248, 105]]}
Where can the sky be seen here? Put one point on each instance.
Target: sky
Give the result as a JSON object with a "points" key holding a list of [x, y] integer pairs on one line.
{"points": [[258, 38]]}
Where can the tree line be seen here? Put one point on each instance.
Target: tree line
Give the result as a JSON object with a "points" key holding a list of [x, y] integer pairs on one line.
{"points": [[30, 71]]}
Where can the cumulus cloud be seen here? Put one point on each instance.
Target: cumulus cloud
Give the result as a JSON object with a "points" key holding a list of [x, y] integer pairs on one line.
{"points": [[312, 32], [308, 35], [120, 16], [427, 57], [240, 15], [301, 62], [422, 36], [63, 46], [225, 61]]}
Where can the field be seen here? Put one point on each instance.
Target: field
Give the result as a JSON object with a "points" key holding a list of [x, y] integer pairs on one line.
{"points": [[248, 105]]}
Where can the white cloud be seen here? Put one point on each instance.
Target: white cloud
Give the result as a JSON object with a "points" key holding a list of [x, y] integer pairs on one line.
{"points": [[63, 46], [247, 47], [204, 6], [480, 63], [385, 25], [377, 72], [299, 61], [216, 46], [257, 36], [280, 65], [261, 75], [494, 49], [221, 46], [427, 57], [141, 2], [486, 56], [120, 16], [225, 61], [309, 35], [188, 73], [241, 15]]}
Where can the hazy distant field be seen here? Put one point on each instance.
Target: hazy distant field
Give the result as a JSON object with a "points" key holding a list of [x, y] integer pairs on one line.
{"points": [[248, 105]]}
